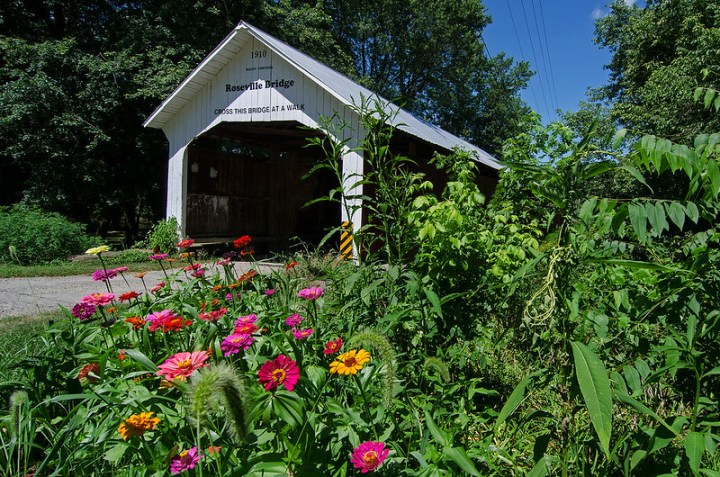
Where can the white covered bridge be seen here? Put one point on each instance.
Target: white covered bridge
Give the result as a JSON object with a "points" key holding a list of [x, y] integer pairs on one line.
{"points": [[237, 131]]}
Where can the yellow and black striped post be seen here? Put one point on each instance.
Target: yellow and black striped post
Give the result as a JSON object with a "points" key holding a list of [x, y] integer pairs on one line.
{"points": [[346, 241]]}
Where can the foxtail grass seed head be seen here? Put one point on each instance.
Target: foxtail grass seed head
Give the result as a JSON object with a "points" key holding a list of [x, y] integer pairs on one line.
{"points": [[386, 354]]}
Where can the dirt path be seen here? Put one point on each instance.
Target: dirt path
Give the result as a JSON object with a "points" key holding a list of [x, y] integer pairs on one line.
{"points": [[28, 296]]}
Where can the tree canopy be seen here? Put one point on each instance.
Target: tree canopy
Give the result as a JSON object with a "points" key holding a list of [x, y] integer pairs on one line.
{"points": [[660, 54]]}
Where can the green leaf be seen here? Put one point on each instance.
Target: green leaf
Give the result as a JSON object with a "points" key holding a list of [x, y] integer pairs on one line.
{"points": [[676, 213], [116, 453], [619, 137], [595, 388], [637, 175], [692, 212], [434, 301], [540, 469], [458, 455], [443, 438], [143, 360], [516, 397], [714, 173], [694, 449], [638, 220]]}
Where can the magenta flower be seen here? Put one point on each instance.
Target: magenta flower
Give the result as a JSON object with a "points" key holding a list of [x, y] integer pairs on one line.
{"points": [[185, 460], [270, 292], [302, 334], [233, 343], [102, 275], [120, 269], [311, 294], [198, 273], [293, 320], [83, 311], [245, 320], [158, 256], [281, 371], [223, 262], [368, 456]]}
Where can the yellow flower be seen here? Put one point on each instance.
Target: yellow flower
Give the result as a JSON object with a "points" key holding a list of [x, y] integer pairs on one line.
{"points": [[97, 250], [350, 362], [137, 424]]}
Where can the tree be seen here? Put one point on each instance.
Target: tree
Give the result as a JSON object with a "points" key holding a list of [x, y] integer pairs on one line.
{"points": [[659, 53], [430, 57]]}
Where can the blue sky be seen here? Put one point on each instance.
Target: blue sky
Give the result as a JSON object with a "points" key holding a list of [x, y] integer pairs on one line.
{"points": [[556, 38]]}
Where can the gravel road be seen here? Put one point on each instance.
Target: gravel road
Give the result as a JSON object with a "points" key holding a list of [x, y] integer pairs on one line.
{"points": [[27, 296]]}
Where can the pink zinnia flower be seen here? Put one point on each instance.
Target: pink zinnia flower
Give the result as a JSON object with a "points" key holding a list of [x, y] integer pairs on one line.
{"points": [[213, 315], [198, 273], [233, 343], [302, 334], [281, 371], [311, 294], [182, 365], [332, 347], [120, 269], [158, 256], [185, 460], [270, 292], [368, 456], [157, 287], [98, 299], [223, 262], [102, 275], [293, 320], [166, 320]]}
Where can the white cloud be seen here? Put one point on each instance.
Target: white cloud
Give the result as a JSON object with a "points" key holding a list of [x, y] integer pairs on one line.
{"points": [[629, 3], [598, 13]]}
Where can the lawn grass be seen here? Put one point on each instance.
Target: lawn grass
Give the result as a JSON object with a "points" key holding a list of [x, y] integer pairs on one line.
{"points": [[63, 269]]}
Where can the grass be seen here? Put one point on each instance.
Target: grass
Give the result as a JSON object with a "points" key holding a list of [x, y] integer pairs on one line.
{"points": [[20, 339], [64, 269], [136, 260]]}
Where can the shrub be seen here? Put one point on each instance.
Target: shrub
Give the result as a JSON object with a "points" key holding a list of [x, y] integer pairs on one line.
{"points": [[36, 236], [164, 235]]}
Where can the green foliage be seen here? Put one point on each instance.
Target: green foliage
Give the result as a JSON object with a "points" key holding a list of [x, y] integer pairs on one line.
{"points": [[36, 236], [164, 235], [660, 53]]}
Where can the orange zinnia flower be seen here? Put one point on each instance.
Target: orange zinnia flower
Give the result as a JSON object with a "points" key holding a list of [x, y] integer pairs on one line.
{"points": [[137, 424]]}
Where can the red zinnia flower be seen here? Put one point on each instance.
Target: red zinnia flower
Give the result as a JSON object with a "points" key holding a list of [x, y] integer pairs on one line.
{"points": [[291, 265], [368, 456], [242, 242], [137, 322], [185, 243], [89, 372], [332, 347], [129, 296], [281, 371]]}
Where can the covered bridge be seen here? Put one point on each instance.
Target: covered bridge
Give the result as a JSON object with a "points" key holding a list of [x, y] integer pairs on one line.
{"points": [[237, 128]]}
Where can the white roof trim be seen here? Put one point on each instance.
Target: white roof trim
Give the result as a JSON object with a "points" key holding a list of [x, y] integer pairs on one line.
{"points": [[340, 86]]}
